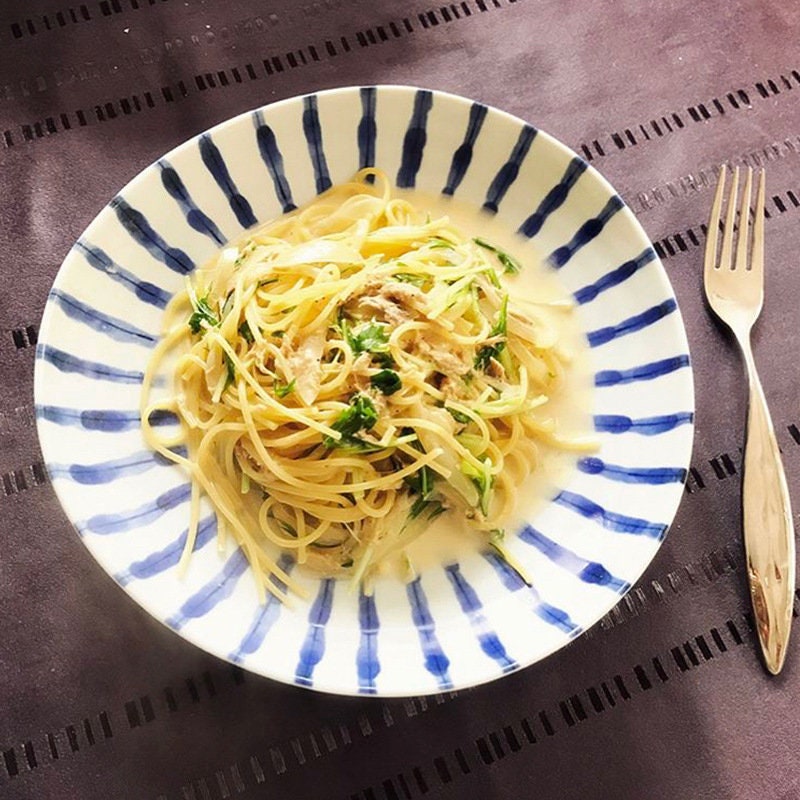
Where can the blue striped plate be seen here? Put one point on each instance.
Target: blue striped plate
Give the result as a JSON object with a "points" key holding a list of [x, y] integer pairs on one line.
{"points": [[456, 624]]}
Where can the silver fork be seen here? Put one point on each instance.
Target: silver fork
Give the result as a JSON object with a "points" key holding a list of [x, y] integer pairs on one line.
{"points": [[735, 292]]}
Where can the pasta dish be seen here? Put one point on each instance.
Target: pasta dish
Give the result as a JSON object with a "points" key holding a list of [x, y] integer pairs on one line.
{"points": [[346, 374]]}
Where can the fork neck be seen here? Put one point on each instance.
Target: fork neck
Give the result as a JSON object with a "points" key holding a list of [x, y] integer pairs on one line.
{"points": [[746, 349]]}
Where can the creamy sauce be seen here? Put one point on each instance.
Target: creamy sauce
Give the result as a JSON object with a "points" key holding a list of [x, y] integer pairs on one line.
{"points": [[448, 537]]}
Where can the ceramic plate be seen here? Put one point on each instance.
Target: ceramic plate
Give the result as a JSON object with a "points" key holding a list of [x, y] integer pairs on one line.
{"points": [[457, 624]]}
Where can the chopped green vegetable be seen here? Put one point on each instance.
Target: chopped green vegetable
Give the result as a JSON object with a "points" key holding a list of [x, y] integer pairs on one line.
{"points": [[371, 338], [493, 279], [433, 507], [360, 415], [246, 333], [267, 282], [202, 313], [387, 380], [458, 416], [231, 377], [510, 264], [228, 304], [421, 482], [410, 277], [283, 389], [500, 328], [496, 540], [439, 241], [483, 480]]}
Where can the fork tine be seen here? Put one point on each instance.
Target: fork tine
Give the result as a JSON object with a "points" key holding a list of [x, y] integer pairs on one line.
{"points": [[744, 223], [757, 261], [712, 234], [730, 220]]}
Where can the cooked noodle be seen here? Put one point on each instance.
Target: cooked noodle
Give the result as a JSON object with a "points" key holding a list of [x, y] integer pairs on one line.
{"points": [[346, 374]]}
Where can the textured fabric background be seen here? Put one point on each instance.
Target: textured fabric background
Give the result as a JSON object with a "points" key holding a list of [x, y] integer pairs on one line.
{"points": [[666, 697]]}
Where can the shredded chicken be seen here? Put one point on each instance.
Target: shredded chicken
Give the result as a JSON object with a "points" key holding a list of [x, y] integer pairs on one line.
{"points": [[446, 359], [393, 302], [305, 363]]}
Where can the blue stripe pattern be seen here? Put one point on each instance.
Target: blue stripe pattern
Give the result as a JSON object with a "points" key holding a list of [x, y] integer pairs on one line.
{"points": [[113, 327], [198, 220], [108, 471], [548, 613], [265, 617], [143, 233], [367, 663], [99, 419], [471, 605], [647, 426], [414, 140], [219, 588], [641, 475], [615, 277], [169, 556], [100, 260], [313, 134], [632, 324], [643, 372], [462, 157], [590, 229], [609, 520], [66, 362], [583, 569], [271, 156], [122, 521], [554, 199], [436, 662], [314, 644], [216, 165], [367, 129], [509, 171]]}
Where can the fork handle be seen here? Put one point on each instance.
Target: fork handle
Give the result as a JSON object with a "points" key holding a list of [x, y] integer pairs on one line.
{"points": [[768, 527]]}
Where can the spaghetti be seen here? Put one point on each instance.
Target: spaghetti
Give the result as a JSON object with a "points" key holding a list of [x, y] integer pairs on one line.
{"points": [[348, 373]]}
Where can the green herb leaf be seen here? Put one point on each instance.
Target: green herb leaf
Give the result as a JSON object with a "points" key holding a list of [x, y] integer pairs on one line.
{"points": [[421, 481], [246, 333], [493, 279], [360, 415], [510, 264], [483, 480], [500, 328], [231, 377], [433, 508], [410, 277], [202, 313], [371, 338], [387, 380], [228, 304], [458, 416], [439, 241], [283, 389]]}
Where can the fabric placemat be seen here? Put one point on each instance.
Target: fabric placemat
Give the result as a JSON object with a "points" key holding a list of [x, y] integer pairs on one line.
{"points": [[665, 698]]}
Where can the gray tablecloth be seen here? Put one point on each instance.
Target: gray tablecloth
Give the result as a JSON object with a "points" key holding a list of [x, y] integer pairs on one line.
{"points": [[666, 697]]}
